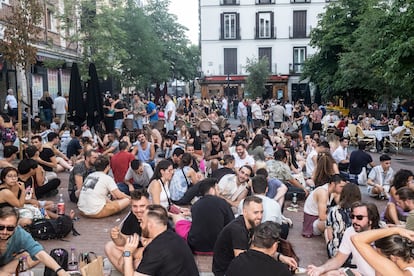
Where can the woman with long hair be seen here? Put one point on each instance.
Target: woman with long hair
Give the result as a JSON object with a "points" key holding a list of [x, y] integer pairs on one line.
{"points": [[46, 106], [12, 192], [394, 213], [256, 148], [325, 168], [393, 253], [338, 218], [158, 188]]}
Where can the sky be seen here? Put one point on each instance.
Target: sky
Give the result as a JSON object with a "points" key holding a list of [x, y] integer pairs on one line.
{"points": [[187, 12]]}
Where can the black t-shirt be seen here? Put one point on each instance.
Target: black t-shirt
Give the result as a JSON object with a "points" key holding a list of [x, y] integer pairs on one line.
{"points": [[131, 225], [219, 173], [119, 115], [234, 236], [358, 160], [168, 254], [46, 154], [253, 262], [73, 147], [209, 216]]}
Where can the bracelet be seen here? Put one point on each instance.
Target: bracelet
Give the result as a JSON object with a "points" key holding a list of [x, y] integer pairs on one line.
{"points": [[59, 269], [278, 257]]}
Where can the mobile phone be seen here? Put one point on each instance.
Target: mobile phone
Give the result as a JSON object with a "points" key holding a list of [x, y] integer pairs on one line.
{"points": [[348, 272]]}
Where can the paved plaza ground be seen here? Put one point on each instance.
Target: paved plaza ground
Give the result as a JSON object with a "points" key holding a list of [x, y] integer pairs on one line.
{"points": [[95, 232]]}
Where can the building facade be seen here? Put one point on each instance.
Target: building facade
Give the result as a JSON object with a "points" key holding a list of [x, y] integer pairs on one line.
{"points": [[55, 54], [234, 30]]}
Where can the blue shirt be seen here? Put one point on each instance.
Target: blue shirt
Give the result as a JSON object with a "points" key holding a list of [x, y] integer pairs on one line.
{"points": [[20, 241], [151, 107]]}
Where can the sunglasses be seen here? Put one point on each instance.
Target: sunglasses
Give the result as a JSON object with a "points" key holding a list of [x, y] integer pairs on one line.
{"points": [[358, 217], [9, 228]]}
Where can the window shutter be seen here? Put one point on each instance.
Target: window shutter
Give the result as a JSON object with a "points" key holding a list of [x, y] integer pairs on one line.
{"points": [[257, 25], [222, 26], [272, 25], [238, 26]]}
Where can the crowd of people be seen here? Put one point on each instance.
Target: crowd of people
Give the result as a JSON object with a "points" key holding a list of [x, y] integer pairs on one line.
{"points": [[219, 192]]}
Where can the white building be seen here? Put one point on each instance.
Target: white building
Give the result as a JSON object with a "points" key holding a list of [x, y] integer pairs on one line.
{"points": [[234, 30]]}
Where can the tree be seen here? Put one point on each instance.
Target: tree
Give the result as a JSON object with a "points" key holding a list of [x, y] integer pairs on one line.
{"points": [[258, 74], [21, 33]]}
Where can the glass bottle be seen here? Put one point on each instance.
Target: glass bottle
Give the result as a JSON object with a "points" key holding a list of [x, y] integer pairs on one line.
{"points": [[73, 260]]}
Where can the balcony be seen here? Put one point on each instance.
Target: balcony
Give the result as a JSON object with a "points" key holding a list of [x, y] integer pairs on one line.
{"points": [[265, 2], [230, 2], [270, 35], [299, 1], [300, 32]]}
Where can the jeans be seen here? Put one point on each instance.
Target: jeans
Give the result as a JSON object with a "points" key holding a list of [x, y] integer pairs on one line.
{"points": [[118, 123], [125, 189], [169, 125], [138, 124]]}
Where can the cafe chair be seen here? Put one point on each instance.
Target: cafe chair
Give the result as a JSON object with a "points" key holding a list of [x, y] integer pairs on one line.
{"points": [[352, 132], [411, 136], [394, 141], [369, 141]]}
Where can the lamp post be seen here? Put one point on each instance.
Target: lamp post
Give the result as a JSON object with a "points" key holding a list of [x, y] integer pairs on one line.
{"points": [[228, 86]]}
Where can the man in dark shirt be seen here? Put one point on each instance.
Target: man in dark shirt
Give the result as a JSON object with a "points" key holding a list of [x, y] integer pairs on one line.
{"points": [[260, 258], [167, 254], [228, 167], [235, 237], [358, 160], [130, 225], [74, 147]]}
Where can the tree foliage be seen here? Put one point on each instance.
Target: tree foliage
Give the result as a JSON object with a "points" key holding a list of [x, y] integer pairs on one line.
{"points": [[258, 74], [21, 32]]}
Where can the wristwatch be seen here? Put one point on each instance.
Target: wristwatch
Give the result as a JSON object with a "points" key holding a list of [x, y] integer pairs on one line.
{"points": [[127, 254]]}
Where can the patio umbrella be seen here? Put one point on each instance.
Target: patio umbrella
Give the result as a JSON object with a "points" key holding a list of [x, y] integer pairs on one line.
{"points": [[76, 105], [94, 98], [318, 96], [307, 99]]}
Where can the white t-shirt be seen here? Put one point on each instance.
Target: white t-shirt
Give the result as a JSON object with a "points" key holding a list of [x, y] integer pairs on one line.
{"points": [[289, 109], [241, 110], [257, 111], [60, 105], [310, 166], [271, 209], [339, 154], [170, 107], [224, 103], [94, 192], [238, 162], [11, 100], [347, 248]]}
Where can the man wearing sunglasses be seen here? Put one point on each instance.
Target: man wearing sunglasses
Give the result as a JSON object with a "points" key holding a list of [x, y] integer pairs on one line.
{"points": [[16, 242], [364, 217]]}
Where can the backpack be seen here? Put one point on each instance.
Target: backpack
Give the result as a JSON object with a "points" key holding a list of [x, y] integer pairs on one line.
{"points": [[46, 229], [61, 256]]}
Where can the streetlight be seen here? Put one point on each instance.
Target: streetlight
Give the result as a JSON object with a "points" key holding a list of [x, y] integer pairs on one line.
{"points": [[228, 86]]}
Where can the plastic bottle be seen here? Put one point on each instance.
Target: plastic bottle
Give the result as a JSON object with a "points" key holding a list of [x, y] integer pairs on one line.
{"points": [[73, 260], [61, 205], [295, 200]]}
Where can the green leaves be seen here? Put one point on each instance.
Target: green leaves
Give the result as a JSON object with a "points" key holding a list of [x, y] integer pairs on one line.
{"points": [[258, 73]]}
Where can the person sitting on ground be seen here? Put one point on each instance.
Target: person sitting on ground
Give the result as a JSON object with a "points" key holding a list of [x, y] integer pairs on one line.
{"points": [[93, 199], [63, 162], [9, 154], [209, 215], [215, 150], [111, 144], [364, 217], [259, 259], [144, 150], [158, 188], [79, 173], [325, 168], [234, 188], [176, 156], [314, 210], [137, 176], [380, 178], [17, 242], [166, 254], [271, 208], [120, 162], [170, 144], [393, 252], [405, 200], [43, 187], [242, 158], [228, 167], [74, 147], [393, 212], [130, 224], [340, 155], [275, 188], [12, 191], [183, 178], [196, 164], [358, 164], [46, 158], [338, 218]]}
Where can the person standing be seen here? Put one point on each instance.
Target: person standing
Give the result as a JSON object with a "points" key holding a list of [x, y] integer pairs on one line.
{"points": [[119, 112], [139, 112], [242, 113], [169, 111], [257, 114], [60, 107], [278, 113], [224, 106], [11, 104], [46, 105], [152, 112]]}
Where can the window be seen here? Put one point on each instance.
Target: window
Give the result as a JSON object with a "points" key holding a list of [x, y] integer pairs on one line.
{"points": [[229, 2], [265, 25], [7, 2], [259, 2], [266, 52], [51, 22], [299, 56], [230, 26], [230, 61], [299, 24], [300, 1]]}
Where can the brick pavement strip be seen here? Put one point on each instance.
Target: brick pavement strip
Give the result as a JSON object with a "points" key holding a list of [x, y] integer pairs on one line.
{"points": [[95, 232]]}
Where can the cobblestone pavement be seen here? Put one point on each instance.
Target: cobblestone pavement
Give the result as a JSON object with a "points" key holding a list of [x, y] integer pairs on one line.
{"points": [[95, 232]]}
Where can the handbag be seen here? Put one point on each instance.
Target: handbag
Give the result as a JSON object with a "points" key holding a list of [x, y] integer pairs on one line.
{"points": [[90, 264]]}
